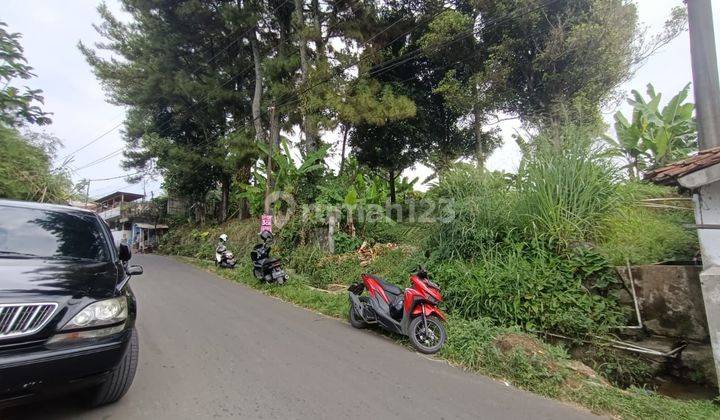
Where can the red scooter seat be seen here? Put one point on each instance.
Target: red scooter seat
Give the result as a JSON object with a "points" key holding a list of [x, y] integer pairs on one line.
{"points": [[388, 287]]}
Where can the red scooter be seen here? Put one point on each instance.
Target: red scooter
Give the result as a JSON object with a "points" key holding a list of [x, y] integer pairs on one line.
{"points": [[413, 313]]}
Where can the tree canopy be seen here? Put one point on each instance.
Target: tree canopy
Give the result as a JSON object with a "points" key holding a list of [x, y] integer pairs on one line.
{"points": [[213, 87]]}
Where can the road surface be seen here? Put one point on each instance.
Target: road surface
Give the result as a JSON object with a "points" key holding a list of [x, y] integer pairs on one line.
{"points": [[210, 348]]}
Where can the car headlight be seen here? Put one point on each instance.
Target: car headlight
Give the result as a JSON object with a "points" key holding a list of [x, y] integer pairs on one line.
{"points": [[103, 312]]}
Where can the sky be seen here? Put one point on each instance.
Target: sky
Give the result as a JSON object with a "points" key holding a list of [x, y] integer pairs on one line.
{"points": [[52, 28]]}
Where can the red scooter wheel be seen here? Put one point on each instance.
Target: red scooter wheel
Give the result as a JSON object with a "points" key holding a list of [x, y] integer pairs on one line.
{"points": [[428, 341]]}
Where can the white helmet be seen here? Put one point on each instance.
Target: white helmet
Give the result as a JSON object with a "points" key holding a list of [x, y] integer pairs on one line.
{"points": [[223, 237]]}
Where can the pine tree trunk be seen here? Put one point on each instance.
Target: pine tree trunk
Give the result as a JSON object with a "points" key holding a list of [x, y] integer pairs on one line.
{"points": [[273, 142], [257, 96], [225, 199], [309, 141], [244, 178], [393, 198], [346, 129], [480, 156]]}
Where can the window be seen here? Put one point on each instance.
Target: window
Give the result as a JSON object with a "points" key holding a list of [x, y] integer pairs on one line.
{"points": [[27, 233]]}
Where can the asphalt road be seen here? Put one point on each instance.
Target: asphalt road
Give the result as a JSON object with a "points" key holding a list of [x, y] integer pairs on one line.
{"points": [[210, 348]]}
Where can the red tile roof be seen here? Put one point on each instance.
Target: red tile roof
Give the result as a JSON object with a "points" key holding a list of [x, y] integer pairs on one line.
{"points": [[668, 175]]}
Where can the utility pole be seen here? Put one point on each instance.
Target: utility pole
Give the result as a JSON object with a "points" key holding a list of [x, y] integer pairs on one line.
{"points": [[87, 193], [707, 198], [705, 72]]}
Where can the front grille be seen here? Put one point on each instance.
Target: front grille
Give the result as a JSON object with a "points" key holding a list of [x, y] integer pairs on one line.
{"points": [[18, 319]]}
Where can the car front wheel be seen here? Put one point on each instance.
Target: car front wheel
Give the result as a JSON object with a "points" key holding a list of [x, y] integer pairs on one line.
{"points": [[120, 379]]}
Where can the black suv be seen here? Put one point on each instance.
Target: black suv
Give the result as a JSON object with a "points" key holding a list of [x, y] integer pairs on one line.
{"points": [[67, 313]]}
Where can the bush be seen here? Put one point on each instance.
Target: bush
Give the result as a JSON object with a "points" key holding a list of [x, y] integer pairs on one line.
{"points": [[528, 286], [482, 204], [647, 236], [565, 197], [346, 243], [306, 259], [387, 231]]}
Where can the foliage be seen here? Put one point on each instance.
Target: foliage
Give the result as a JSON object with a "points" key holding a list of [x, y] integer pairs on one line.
{"points": [[345, 243], [17, 107], [654, 137], [26, 171], [387, 231], [643, 235], [526, 286], [482, 204], [562, 46], [565, 196], [560, 197], [392, 147], [289, 176], [620, 368]]}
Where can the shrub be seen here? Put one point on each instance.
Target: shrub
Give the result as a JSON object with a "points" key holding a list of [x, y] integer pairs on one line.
{"points": [[528, 286], [644, 235], [306, 259], [388, 231], [565, 197], [482, 204], [346, 243]]}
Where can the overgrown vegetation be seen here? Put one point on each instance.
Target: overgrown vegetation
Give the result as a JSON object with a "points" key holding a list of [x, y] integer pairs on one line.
{"points": [[506, 269], [27, 171]]}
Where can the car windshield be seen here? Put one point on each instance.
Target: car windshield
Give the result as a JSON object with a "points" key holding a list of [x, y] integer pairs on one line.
{"points": [[28, 233]]}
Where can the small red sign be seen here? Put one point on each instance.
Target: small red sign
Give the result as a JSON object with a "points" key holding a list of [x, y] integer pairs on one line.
{"points": [[266, 224]]}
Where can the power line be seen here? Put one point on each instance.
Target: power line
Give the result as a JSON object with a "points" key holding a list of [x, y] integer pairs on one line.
{"points": [[115, 177], [210, 60], [96, 139], [100, 160], [394, 62], [380, 67]]}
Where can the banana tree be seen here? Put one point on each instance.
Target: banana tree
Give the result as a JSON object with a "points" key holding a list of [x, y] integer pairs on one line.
{"points": [[286, 173], [654, 137]]}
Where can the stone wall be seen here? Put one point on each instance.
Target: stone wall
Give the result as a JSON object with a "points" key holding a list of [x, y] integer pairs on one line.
{"points": [[673, 311], [670, 300]]}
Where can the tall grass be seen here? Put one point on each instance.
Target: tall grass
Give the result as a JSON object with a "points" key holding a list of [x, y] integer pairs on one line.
{"points": [[644, 235], [566, 196], [527, 286], [482, 204]]}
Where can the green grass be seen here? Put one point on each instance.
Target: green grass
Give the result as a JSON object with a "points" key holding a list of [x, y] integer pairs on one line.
{"points": [[534, 366]]}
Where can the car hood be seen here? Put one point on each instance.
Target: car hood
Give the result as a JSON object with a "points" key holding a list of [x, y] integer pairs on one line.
{"points": [[38, 278]]}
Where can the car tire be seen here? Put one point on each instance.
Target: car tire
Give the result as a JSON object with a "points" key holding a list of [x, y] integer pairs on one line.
{"points": [[120, 379]]}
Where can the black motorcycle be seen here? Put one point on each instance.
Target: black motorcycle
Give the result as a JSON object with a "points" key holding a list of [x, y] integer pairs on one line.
{"points": [[266, 268]]}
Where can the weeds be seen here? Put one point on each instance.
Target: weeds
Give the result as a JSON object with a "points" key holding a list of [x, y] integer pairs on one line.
{"points": [[564, 197], [526, 286]]}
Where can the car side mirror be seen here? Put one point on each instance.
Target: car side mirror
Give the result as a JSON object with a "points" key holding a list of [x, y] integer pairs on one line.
{"points": [[124, 252], [134, 270]]}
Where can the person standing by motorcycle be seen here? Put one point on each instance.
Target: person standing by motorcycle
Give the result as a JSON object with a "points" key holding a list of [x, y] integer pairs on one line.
{"points": [[222, 241]]}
